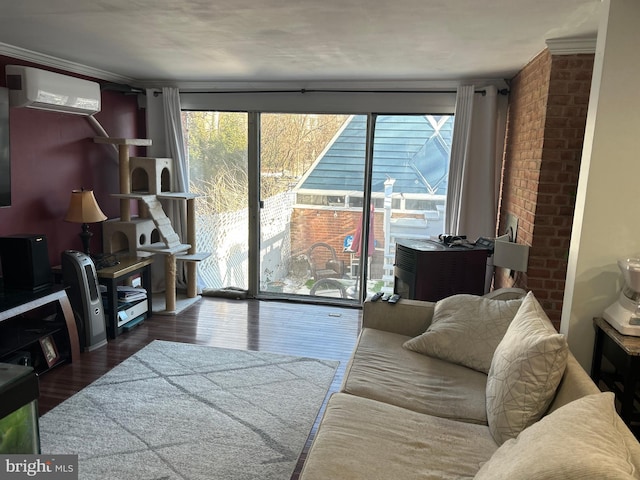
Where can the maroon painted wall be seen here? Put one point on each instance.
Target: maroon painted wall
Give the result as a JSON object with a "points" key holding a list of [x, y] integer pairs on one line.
{"points": [[54, 153]]}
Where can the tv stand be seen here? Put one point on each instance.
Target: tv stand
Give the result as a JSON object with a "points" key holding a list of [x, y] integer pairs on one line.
{"points": [[22, 327]]}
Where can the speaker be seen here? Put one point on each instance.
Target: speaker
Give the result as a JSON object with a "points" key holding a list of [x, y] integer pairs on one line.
{"points": [[25, 262], [79, 275]]}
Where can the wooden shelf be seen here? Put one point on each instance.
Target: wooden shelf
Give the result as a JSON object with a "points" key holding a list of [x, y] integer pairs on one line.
{"points": [[162, 249], [139, 142], [193, 257], [125, 267], [111, 277], [20, 337], [178, 195], [134, 196], [24, 320], [19, 333]]}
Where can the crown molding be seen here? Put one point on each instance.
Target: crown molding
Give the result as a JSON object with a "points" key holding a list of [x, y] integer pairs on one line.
{"points": [[571, 45], [62, 64]]}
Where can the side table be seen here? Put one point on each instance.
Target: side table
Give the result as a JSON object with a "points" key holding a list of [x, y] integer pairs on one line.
{"points": [[111, 277], [623, 353]]}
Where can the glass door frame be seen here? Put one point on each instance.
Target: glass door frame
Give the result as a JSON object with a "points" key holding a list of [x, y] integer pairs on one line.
{"points": [[255, 202], [366, 211]]}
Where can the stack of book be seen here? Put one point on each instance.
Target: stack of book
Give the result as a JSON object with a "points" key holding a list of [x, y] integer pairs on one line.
{"points": [[131, 294]]}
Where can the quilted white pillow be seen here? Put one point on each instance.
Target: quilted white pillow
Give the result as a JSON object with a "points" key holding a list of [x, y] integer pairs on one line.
{"points": [[527, 367], [466, 329], [584, 439]]}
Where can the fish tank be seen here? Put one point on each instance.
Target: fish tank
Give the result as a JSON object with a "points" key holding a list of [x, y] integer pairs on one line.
{"points": [[19, 432]]}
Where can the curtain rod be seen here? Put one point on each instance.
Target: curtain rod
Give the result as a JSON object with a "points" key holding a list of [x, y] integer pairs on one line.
{"points": [[302, 91]]}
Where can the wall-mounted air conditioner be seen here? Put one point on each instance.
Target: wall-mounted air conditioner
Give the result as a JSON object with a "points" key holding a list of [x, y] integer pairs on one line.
{"points": [[35, 88]]}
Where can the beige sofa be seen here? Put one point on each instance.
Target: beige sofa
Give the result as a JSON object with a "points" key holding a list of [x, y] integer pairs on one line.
{"points": [[402, 414]]}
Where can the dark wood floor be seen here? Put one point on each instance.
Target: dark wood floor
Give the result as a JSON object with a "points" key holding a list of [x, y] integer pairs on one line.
{"points": [[317, 331]]}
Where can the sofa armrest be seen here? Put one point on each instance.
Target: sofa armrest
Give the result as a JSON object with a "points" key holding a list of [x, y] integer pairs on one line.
{"points": [[506, 293], [407, 317], [576, 383], [413, 317]]}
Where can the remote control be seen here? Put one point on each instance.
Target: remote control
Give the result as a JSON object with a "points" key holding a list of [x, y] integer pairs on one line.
{"points": [[376, 296], [394, 298]]}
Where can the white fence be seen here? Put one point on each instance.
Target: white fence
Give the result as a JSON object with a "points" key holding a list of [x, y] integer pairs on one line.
{"points": [[225, 236]]}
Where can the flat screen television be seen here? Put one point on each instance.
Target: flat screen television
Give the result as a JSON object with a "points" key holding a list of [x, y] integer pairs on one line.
{"points": [[5, 151]]}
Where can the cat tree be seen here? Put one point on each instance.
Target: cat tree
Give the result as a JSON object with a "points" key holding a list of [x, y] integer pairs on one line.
{"points": [[148, 180]]}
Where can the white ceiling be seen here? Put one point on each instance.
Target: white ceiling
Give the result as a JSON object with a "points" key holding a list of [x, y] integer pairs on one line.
{"points": [[180, 41]]}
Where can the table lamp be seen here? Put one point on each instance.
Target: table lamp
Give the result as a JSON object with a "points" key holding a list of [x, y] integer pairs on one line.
{"points": [[84, 209]]}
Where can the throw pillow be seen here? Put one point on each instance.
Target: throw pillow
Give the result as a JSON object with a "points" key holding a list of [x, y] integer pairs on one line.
{"points": [[466, 329], [584, 439], [525, 371]]}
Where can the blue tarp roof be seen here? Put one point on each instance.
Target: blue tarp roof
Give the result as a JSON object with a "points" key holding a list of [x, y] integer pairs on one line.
{"points": [[412, 149]]}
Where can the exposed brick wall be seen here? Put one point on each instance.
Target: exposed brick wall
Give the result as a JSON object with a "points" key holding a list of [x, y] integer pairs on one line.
{"points": [[545, 131]]}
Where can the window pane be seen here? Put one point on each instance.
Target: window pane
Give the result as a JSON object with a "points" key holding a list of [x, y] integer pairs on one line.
{"points": [[410, 168], [217, 149], [302, 223]]}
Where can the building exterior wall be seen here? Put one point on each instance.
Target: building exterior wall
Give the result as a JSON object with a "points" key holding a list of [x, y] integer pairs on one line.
{"points": [[309, 225]]}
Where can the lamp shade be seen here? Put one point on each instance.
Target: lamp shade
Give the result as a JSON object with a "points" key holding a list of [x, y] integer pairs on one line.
{"points": [[83, 208]]}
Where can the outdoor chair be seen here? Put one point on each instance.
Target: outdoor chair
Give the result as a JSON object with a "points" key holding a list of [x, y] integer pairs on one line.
{"points": [[324, 263]]}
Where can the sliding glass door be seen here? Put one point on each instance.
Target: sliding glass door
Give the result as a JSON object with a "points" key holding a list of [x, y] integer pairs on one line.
{"points": [[314, 198]]}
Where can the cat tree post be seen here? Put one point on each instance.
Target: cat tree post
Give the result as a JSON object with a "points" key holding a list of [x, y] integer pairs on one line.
{"points": [[170, 282], [125, 182]]}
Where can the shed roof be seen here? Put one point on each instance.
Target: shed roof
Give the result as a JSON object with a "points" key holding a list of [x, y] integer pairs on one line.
{"points": [[412, 149]]}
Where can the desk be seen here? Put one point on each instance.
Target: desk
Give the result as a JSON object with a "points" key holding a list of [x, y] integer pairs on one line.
{"points": [[14, 303], [110, 277], [623, 352]]}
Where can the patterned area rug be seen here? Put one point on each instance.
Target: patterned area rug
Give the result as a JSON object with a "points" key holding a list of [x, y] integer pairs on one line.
{"points": [[180, 411]]}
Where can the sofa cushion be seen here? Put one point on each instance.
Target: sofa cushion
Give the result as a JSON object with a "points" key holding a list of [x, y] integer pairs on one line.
{"points": [[466, 329], [585, 439], [382, 370], [526, 369], [360, 438]]}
